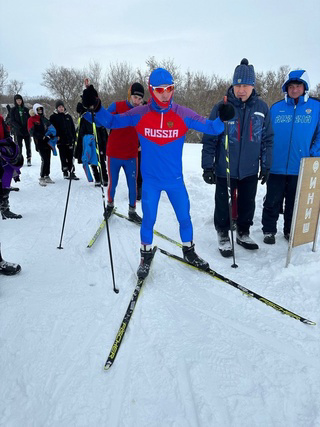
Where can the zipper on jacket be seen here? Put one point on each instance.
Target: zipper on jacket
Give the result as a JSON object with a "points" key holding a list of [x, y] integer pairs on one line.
{"points": [[293, 119], [161, 121], [243, 107]]}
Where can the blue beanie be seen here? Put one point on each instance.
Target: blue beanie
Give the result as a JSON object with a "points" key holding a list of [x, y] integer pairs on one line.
{"points": [[244, 74], [160, 76]]}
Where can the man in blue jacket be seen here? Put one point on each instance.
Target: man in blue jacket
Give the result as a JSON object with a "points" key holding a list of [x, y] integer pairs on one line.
{"points": [[296, 126], [250, 144]]}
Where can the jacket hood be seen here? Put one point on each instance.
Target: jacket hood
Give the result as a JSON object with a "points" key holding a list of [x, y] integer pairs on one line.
{"points": [[300, 76], [17, 96], [35, 106]]}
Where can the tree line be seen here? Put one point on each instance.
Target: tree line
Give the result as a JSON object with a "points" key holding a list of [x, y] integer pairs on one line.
{"points": [[195, 90]]}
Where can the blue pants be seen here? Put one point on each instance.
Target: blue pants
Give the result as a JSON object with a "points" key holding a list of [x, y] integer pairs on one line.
{"points": [[130, 169], [179, 199]]}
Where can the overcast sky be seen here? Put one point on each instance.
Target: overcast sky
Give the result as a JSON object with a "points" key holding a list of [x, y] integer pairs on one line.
{"points": [[210, 36]]}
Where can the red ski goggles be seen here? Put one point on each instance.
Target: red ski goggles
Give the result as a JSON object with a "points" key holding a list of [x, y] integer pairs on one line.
{"points": [[162, 89]]}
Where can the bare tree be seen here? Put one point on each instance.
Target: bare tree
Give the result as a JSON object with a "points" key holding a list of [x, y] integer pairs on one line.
{"points": [[118, 80], [316, 91], [3, 78], [269, 84], [94, 73], [13, 87], [65, 84]]}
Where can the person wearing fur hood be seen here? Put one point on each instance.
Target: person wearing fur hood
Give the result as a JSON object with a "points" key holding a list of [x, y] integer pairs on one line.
{"points": [[38, 127]]}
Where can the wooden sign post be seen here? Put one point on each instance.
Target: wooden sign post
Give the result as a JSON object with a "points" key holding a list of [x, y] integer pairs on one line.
{"points": [[305, 220]]}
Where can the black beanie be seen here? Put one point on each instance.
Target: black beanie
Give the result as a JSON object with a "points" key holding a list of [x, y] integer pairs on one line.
{"points": [[137, 89], [59, 102]]}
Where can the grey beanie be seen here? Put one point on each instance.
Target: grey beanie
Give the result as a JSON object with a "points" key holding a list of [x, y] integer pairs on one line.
{"points": [[244, 74]]}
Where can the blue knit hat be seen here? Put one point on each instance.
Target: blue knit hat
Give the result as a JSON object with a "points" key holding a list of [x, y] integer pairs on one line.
{"points": [[160, 76], [244, 74]]}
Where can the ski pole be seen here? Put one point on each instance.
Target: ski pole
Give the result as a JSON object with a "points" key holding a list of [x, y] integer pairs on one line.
{"points": [[65, 214], [68, 194], [226, 146], [116, 290]]}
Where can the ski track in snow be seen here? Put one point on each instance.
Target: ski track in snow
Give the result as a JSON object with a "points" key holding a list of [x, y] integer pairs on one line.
{"points": [[197, 352]]}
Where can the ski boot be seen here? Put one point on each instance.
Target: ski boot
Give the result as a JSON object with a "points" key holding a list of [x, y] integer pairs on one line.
{"points": [[192, 258], [243, 239], [8, 268], [145, 262], [29, 161], [133, 216], [224, 244], [108, 211]]}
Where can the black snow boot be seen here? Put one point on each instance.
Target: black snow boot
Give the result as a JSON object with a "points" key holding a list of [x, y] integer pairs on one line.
{"points": [[8, 268], [192, 258], [73, 176], [5, 208], [243, 239], [269, 238], [133, 216], [224, 244], [145, 262]]}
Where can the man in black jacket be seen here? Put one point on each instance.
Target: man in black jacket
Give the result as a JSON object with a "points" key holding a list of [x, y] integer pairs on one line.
{"points": [[66, 134], [19, 115], [250, 145]]}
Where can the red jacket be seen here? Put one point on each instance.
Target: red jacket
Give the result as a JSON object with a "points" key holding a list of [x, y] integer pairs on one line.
{"points": [[122, 143]]}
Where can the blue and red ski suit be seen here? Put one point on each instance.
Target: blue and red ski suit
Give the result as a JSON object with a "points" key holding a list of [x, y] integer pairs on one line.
{"points": [[162, 134]]}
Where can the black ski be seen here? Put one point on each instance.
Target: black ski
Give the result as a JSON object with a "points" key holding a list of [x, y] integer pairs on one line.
{"points": [[98, 232], [155, 232], [125, 322], [246, 291]]}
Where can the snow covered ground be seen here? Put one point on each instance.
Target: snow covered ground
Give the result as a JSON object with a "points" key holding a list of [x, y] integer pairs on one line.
{"points": [[197, 351]]}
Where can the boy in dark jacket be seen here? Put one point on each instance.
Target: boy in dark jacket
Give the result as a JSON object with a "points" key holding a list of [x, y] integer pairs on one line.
{"points": [[19, 115], [66, 133], [250, 144]]}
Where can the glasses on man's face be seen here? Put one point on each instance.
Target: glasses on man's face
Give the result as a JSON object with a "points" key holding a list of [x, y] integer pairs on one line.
{"points": [[162, 89]]}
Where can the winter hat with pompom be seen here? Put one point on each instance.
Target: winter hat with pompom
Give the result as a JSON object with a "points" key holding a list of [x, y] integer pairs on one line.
{"points": [[244, 74]]}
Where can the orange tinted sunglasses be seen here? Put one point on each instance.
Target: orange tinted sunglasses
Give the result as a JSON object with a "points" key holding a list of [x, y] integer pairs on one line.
{"points": [[162, 89]]}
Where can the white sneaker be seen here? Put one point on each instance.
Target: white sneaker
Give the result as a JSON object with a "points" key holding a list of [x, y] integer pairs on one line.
{"points": [[42, 182], [48, 180]]}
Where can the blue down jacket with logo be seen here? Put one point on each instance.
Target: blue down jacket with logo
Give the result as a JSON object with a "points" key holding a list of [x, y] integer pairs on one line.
{"points": [[296, 133], [250, 139]]}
